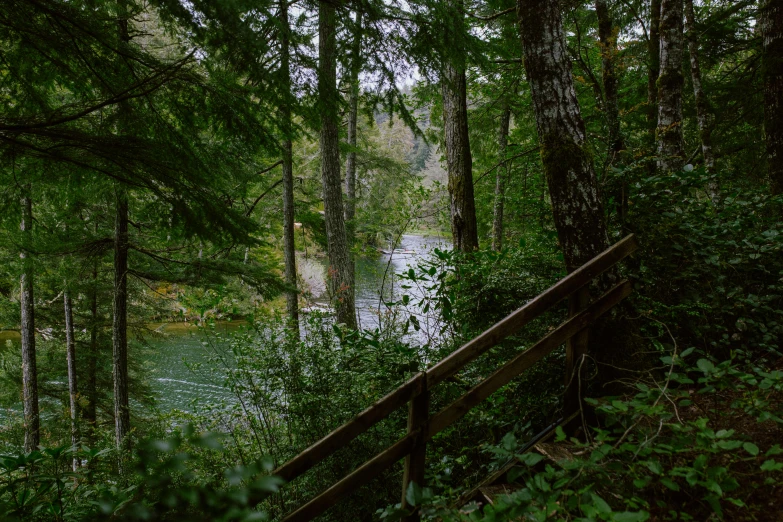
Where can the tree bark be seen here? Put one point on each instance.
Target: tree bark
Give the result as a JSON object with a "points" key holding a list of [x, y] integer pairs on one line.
{"points": [[32, 437], [289, 245], [772, 54], [120, 302], [90, 412], [120, 323], [670, 86], [654, 66], [500, 180], [459, 161], [704, 114], [608, 41], [353, 116], [340, 273], [70, 347], [567, 163]]}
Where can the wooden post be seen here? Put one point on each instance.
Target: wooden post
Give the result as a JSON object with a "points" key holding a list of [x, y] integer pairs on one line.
{"points": [[418, 414], [576, 347]]}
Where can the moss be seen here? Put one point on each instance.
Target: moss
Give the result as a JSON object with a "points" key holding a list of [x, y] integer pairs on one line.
{"points": [[560, 156]]}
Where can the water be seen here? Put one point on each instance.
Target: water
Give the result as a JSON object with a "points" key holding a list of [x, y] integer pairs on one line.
{"points": [[177, 362], [174, 355]]}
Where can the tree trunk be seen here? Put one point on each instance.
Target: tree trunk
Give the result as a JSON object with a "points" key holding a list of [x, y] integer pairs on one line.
{"points": [[772, 37], [70, 346], [670, 85], [703, 112], [90, 412], [500, 179], [289, 245], [567, 163], [608, 40], [458, 158], [120, 302], [32, 425], [654, 66], [340, 273], [353, 114], [120, 323]]}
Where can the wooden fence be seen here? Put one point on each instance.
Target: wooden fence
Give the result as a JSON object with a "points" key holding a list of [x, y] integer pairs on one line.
{"points": [[422, 426]]}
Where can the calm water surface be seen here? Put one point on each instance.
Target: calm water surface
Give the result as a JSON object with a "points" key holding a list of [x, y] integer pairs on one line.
{"points": [[176, 355]]}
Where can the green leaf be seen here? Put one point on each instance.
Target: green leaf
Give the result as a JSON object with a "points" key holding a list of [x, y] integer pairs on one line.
{"points": [[531, 459], [600, 504], [751, 448], [413, 494], [705, 365], [774, 450], [771, 465], [669, 483]]}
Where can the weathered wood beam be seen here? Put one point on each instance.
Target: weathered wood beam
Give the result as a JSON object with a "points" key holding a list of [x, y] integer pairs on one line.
{"points": [[343, 435], [361, 476], [457, 409], [533, 309]]}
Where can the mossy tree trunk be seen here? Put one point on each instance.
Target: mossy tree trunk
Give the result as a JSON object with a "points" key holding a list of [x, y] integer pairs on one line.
{"points": [[567, 163], [32, 422], [500, 179], [459, 162], [772, 36], [289, 244], [704, 114], [670, 87], [340, 266]]}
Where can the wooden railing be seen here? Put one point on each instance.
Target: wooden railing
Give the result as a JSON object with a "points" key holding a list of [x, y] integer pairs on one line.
{"points": [[416, 392]]}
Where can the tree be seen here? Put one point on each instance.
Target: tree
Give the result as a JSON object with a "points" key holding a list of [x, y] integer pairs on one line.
{"points": [[289, 244], [70, 350], [772, 36], [567, 162], [459, 161], [500, 179], [608, 41], [670, 84], [704, 115], [340, 272], [32, 422]]}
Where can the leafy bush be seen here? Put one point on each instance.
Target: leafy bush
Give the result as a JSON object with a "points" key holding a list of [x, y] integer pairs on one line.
{"points": [[166, 483]]}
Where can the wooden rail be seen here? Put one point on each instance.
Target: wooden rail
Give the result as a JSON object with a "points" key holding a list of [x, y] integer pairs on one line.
{"points": [[416, 392]]}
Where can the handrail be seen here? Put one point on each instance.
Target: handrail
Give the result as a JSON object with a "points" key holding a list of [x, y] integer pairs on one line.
{"points": [[422, 427]]}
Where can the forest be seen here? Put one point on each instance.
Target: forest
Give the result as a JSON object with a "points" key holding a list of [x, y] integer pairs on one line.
{"points": [[447, 260]]}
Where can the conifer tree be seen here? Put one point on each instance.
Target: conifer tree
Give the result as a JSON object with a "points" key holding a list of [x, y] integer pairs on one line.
{"points": [[459, 161], [340, 273]]}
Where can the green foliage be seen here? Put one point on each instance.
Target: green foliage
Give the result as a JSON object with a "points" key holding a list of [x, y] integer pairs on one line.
{"points": [[168, 483]]}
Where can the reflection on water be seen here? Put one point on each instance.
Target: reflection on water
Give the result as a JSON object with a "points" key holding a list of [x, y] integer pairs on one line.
{"points": [[180, 362]]}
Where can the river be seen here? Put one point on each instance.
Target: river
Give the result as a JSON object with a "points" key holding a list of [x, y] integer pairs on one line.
{"points": [[173, 356]]}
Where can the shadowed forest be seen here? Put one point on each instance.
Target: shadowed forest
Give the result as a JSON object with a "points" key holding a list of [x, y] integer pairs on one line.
{"points": [[447, 260]]}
